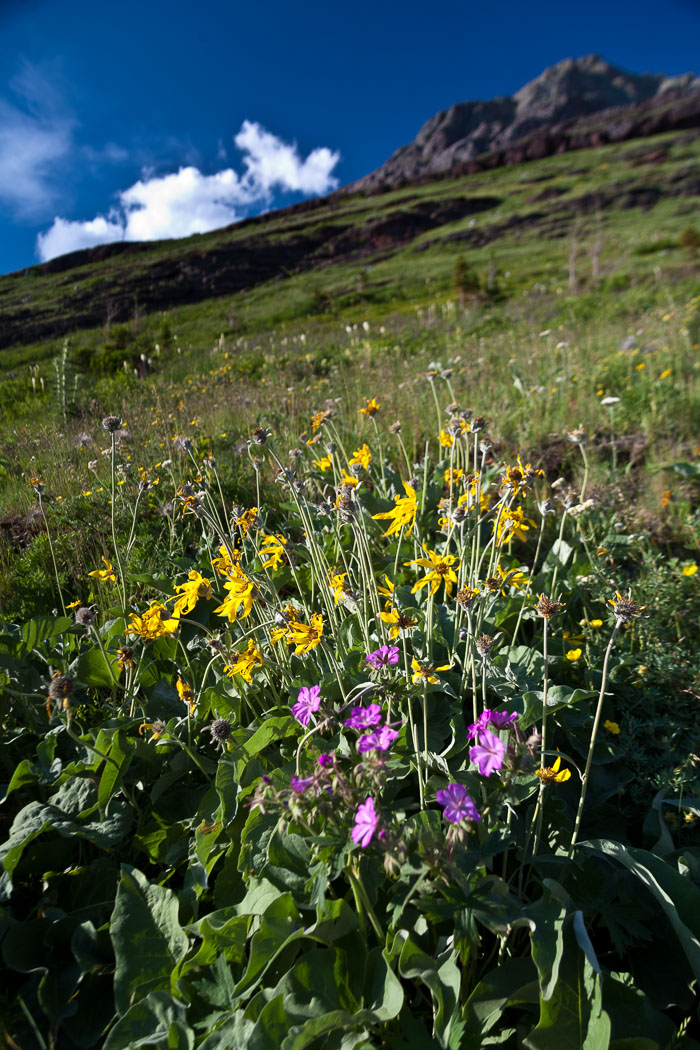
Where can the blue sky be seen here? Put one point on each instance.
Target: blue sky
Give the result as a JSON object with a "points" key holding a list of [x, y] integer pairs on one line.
{"points": [[152, 118]]}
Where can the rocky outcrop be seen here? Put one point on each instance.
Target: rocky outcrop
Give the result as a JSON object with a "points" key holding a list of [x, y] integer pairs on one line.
{"points": [[574, 104]]}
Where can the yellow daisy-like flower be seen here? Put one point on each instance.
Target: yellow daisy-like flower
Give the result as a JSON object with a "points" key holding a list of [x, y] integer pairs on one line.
{"points": [[511, 523], [195, 588], [403, 514], [445, 439], [349, 480], [442, 570], [689, 570], [246, 520], [336, 582], [612, 727], [548, 774], [362, 456], [184, 691], [324, 463], [305, 636], [245, 663], [225, 565], [319, 418], [154, 623], [517, 478], [273, 548], [397, 621], [386, 590], [453, 476], [72, 605], [423, 673], [574, 654], [371, 408], [106, 574], [242, 593]]}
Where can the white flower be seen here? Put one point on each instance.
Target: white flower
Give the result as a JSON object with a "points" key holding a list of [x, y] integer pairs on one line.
{"points": [[610, 400]]}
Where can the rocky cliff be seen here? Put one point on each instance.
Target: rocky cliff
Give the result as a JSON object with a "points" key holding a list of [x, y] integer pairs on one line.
{"points": [[576, 103]]}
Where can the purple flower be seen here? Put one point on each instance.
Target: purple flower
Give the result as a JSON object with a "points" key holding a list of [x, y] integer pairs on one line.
{"points": [[300, 784], [488, 752], [325, 761], [501, 719], [385, 656], [366, 820], [482, 722], [308, 701], [364, 717], [380, 740], [458, 805]]}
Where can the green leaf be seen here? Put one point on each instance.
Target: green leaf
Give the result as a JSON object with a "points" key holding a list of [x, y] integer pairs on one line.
{"points": [[92, 669], [443, 980], [513, 981], [157, 1020], [227, 789], [43, 629], [113, 773], [147, 938], [678, 897]]}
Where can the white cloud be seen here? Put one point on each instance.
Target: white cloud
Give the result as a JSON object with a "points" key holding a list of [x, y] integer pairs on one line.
{"points": [[187, 201], [31, 145]]}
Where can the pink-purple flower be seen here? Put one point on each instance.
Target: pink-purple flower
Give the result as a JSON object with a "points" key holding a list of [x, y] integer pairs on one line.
{"points": [[384, 656], [380, 740], [488, 752], [308, 701], [458, 804], [366, 820], [325, 761], [364, 717], [300, 784], [496, 719]]}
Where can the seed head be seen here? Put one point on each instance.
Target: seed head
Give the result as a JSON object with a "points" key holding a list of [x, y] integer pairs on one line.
{"points": [[112, 424], [548, 608], [260, 435], [395, 428], [625, 608], [477, 424], [484, 645], [220, 730], [466, 597], [60, 687], [86, 615]]}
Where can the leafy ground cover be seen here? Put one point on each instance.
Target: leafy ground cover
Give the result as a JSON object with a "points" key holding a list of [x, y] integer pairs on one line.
{"points": [[382, 738]]}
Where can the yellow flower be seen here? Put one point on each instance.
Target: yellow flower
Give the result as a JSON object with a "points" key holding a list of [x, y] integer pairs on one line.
{"points": [[547, 774], [425, 674], [273, 548], [371, 408], [73, 604], [349, 480], [445, 439], [404, 513], [689, 570], [665, 498], [336, 582], [595, 623], [665, 374], [242, 592], [305, 636], [156, 729], [245, 663], [324, 463], [184, 691], [512, 523], [225, 564], [362, 456], [105, 574], [574, 654], [640, 366], [518, 477], [397, 621], [441, 571], [154, 623], [612, 727], [125, 657], [388, 590], [319, 418], [246, 520], [196, 587], [453, 476]]}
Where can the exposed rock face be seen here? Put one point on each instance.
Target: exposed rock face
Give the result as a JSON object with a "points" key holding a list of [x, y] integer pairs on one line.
{"points": [[545, 114]]}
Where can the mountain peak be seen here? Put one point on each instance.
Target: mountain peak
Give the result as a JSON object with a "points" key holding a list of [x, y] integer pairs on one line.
{"points": [[569, 91]]}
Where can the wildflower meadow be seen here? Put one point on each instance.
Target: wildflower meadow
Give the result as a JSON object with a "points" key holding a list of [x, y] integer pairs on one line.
{"points": [[361, 727]]}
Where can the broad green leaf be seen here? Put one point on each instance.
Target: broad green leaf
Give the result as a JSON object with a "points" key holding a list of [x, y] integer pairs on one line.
{"points": [[443, 980], [513, 981], [92, 669], [147, 937], [43, 629], [227, 789], [113, 772], [157, 1020], [676, 894]]}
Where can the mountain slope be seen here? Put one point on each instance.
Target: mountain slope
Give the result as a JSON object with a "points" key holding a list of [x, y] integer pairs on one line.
{"points": [[559, 101]]}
